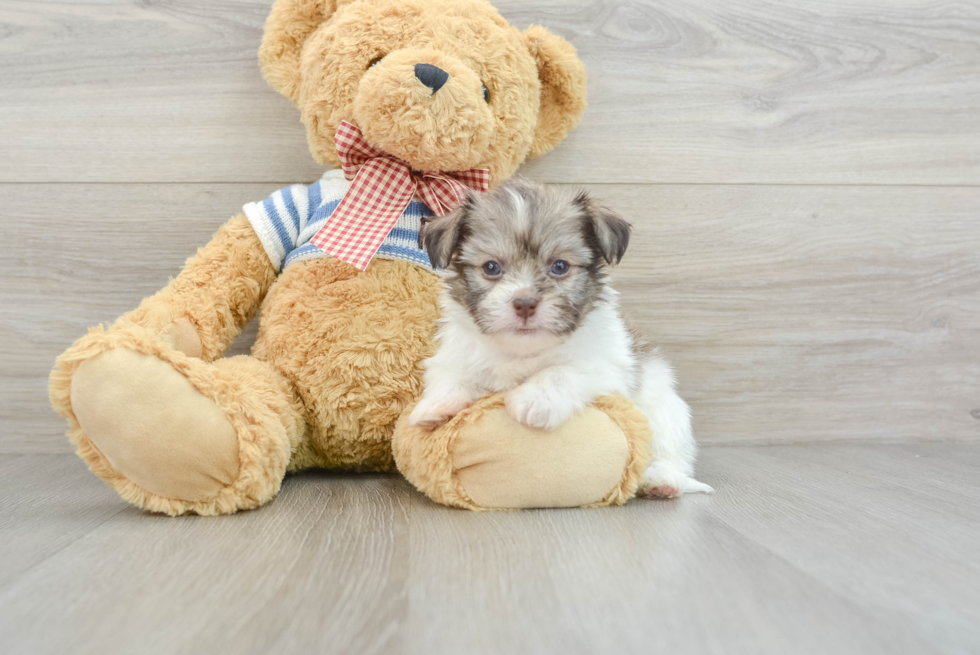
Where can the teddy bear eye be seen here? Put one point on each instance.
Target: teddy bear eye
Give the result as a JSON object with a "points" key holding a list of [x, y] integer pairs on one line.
{"points": [[486, 94], [375, 61]]}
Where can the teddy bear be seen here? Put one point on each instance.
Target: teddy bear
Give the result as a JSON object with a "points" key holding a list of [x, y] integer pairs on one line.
{"points": [[414, 103]]}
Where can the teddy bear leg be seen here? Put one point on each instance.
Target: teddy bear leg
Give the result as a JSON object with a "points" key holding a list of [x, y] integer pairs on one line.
{"points": [[173, 434], [483, 458]]}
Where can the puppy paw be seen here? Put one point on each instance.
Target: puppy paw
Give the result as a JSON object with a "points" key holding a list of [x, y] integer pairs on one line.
{"points": [[664, 481], [539, 406], [430, 413]]}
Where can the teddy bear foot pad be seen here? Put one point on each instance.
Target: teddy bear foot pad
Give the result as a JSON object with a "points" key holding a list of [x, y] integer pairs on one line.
{"points": [[154, 427]]}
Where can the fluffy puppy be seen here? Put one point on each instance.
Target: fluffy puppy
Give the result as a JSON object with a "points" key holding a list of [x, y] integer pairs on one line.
{"points": [[526, 309]]}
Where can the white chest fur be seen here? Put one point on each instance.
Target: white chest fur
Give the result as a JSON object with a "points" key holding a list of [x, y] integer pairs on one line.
{"points": [[600, 348]]}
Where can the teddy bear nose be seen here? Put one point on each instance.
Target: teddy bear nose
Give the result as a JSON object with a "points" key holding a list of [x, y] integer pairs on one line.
{"points": [[431, 76]]}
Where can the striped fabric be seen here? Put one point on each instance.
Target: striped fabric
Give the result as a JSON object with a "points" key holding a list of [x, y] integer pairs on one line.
{"points": [[287, 220]]}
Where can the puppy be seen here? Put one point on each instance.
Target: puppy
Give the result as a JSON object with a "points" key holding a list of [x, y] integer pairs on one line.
{"points": [[526, 309]]}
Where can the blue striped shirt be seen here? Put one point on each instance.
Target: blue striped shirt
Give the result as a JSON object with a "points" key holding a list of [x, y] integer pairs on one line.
{"points": [[287, 220]]}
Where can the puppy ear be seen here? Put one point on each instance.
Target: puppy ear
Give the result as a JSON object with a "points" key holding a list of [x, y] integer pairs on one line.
{"points": [[562, 77], [289, 25], [611, 233], [441, 235]]}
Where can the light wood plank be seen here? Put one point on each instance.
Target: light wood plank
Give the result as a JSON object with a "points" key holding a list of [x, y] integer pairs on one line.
{"points": [[794, 92], [687, 577], [47, 503], [910, 511], [324, 567], [759, 92], [842, 548], [791, 313], [811, 313]]}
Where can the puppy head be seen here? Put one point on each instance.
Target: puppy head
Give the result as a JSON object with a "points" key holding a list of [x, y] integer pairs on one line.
{"points": [[527, 262]]}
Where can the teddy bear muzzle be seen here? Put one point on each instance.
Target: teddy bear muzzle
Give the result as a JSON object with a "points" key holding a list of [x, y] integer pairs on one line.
{"points": [[426, 108]]}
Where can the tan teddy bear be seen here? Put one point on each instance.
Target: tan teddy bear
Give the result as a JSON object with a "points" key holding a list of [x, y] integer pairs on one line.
{"points": [[424, 96]]}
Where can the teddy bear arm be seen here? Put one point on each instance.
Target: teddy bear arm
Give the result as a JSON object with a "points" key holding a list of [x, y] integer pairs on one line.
{"points": [[217, 292]]}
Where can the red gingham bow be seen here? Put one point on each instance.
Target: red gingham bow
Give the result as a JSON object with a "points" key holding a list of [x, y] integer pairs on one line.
{"points": [[383, 186]]}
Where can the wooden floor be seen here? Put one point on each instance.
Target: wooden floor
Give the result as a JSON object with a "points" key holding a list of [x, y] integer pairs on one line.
{"points": [[830, 548], [804, 181]]}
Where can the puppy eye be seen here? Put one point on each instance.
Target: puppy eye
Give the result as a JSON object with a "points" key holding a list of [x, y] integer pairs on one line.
{"points": [[492, 269], [486, 95], [375, 61], [559, 267]]}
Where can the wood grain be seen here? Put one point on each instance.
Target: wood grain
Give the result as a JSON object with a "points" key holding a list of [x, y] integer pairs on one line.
{"points": [[812, 313], [905, 494], [830, 548], [46, 504], [797, 92], [663, 576], [324, 568], [792, 314]]}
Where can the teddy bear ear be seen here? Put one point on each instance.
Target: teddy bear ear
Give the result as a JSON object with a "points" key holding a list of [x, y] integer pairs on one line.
{"points": [[562, 76], [288, 26]]}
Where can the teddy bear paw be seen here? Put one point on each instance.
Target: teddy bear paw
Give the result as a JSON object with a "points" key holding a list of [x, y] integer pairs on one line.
{"points": [[154, 426]]}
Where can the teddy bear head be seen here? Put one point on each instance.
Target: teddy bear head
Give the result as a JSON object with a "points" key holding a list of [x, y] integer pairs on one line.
{"points": [[443, 85]]}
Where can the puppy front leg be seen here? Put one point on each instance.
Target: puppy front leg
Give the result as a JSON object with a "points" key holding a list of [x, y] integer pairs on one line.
{"points": [[549, 398], [441, 402]]}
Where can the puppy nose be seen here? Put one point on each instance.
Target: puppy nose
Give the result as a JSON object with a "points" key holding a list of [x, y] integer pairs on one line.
{"points": [[525, 307], [431, 76]]}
